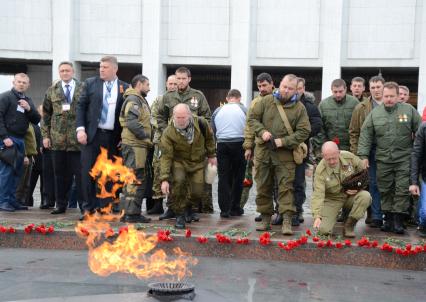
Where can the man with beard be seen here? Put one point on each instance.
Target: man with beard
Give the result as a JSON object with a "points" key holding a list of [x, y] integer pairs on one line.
{"points": [[185, 144], [135, 119], [274, 150]]}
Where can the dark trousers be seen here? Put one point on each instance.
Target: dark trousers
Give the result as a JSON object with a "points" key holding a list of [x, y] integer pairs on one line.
{"points": [[299, 187], [89, 153], [36, 173], [231, 168], [66, 166], [48, 197]]}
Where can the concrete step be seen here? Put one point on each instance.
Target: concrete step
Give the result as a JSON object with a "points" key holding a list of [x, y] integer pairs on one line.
{"points": [[65, 237]]}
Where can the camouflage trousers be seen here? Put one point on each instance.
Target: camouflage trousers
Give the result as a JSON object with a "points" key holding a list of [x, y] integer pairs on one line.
{"points": [[156, 184], [187, 186], [133, 194]]}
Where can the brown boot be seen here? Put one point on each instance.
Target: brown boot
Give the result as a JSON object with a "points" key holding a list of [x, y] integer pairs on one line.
{"points": [[286, 229], [264, 224], [349, 227]]}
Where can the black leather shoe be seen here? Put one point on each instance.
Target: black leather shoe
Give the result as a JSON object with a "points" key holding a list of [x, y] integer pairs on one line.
{"points": [[295, 220], [169, 214], [157, 209], [58, 211], [376, 223], [300, 217], [258, 218], [180, 222], [278, 220], [136, 219], [224, 214], [236, 212], [195, 217], [188, 215], [44, 206]]}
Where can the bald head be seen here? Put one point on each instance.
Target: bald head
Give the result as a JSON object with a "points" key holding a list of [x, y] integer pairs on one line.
{"points": [[330, 153], [181, 116], [171, 84]]}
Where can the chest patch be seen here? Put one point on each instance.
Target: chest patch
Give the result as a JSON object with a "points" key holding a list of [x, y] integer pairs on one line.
{"points": [[194, 102], [402, 118]]}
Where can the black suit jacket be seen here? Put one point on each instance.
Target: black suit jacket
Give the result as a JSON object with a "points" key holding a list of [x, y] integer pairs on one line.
{"points": [[90, 106]]}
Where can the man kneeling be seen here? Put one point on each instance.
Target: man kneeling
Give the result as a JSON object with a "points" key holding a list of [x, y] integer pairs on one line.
{"points": [[185, 144], [328, 196]]}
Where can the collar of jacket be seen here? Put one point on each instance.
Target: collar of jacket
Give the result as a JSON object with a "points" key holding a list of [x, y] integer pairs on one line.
{"points": [[290, 103]]}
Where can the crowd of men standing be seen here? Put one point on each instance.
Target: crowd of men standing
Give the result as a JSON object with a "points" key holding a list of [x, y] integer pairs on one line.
{"points": [[173, 144]]}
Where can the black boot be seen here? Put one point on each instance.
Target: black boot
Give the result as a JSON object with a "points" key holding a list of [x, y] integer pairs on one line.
{"points": [[169, 214], [188, 215], [398, 227], [278, 220], [258, 218], [149, 202], [136, 219], [295, 220], [180, 222], [157, 208], [388, 225]]}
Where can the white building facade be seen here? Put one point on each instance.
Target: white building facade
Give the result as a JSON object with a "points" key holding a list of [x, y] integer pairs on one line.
{"points": [[236, 34]]}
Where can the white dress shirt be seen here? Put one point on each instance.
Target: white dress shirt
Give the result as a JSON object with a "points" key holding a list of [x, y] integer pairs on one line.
{"points": [[72, 87], [112, 102]]}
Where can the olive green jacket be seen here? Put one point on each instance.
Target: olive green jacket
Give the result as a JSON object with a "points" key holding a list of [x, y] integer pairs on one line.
{"points": [[264, 116], [58, 125], [392, 129], [358, 117], [30, 142], [336, 117], [174, 147], [249, 136], [327, 181], [135, 118], [195, 99]]}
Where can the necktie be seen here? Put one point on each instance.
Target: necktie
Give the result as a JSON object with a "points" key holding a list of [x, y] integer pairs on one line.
{"points": [[105, 104], [68, 93]]}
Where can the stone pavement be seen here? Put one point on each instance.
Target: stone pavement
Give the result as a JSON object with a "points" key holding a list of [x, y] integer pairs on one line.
{"points": [[244, 226]]}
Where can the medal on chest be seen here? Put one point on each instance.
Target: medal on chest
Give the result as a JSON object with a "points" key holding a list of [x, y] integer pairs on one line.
{"points": [[194, 102]]}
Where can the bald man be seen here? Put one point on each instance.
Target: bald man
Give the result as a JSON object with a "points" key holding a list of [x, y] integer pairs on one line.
{"points": [[329, 198], [185, 144]]}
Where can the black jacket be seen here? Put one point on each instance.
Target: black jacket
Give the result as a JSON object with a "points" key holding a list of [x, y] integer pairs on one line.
{"points": [[418, 156], [12, 121], [315, 120], [90, 106]]}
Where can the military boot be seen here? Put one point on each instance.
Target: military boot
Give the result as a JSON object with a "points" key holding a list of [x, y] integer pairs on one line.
{"points": [[188, 215], [286, 228], [278, 219], [388, 225], [180, 222], [349, 227], [264, 224], [157, 207], [398, 227]]}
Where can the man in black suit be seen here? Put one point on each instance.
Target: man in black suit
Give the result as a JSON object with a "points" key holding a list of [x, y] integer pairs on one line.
{"points": [[98, 126]]}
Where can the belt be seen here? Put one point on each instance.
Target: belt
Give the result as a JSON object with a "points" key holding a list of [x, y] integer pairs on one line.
{"points": [[105, 130]]}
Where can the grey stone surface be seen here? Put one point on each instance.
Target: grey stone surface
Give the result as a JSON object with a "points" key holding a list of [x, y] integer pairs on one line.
{"points": [[44, 275]]}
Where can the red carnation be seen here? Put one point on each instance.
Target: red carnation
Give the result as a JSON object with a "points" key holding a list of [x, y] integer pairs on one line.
{"points": [[308, 232], [336, 140], [202, 239], [188, 233]]}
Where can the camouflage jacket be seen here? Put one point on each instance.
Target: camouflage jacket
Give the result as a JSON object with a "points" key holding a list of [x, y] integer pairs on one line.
{"points": [[264, 116], [174, 147], [135, 118], [59, 125], [195, 99]]}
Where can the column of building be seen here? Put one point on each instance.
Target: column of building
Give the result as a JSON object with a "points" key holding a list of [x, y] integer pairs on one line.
{"points": [[331, 36], [421, 93], [240, 38], [63, 35]]}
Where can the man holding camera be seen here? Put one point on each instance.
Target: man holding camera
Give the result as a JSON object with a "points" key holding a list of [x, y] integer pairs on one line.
{"points": [[274, 150]]}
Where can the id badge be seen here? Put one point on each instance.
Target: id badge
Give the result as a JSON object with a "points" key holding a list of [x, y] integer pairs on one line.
{"points": [[20, 109], [66, 107]]}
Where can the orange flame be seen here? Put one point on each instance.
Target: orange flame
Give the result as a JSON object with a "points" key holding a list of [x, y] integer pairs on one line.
{"points": [[106, 171], [132, 251]]}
